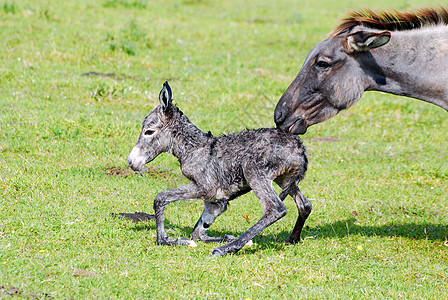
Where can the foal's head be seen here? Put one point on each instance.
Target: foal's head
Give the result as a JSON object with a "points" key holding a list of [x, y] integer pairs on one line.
{"points": [[155, 137]]}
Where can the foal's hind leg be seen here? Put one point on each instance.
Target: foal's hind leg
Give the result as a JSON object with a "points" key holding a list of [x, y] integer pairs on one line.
{"points": [[210, 213], [304, 207]]}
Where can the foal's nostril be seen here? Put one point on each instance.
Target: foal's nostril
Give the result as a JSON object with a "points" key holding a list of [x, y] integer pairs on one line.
{"points": [[134, 158], [130, 164]]}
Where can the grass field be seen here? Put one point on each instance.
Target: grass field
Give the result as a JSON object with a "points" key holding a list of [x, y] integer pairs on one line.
{"points": [[377, 177]]}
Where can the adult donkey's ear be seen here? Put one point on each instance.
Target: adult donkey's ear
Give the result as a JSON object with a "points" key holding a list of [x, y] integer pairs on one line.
{"points": [[367, 40], [165, 97]]}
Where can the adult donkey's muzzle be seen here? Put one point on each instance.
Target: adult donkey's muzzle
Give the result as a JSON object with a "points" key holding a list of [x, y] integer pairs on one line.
{"points": [[280, 115], [298, 127], [287, 123]]}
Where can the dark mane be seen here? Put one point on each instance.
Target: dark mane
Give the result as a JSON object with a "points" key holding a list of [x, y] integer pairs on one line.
{"points": [[393, 20]]}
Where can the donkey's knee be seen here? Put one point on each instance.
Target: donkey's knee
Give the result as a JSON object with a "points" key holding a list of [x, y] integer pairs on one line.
{"points": [[160, 202], [307, 206], [276, 210], [282, 211]]}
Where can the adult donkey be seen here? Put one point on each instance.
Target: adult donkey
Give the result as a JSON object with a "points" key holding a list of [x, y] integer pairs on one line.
{"points": [[400, 53]]}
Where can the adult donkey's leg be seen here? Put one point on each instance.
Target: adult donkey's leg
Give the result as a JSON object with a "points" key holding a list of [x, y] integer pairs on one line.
{"points": [[210, 213], [186, 192], [304, 207], [274, 209]]}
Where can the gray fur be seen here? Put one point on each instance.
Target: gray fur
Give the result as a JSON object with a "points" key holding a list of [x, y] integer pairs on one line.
{"points": [[338, 70], [221, 169]]}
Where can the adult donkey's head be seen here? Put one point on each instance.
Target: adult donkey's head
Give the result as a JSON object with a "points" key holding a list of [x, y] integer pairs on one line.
{"points": [[330, 80], [357, 57]]}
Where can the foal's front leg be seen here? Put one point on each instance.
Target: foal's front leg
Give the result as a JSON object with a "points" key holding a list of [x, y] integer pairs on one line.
{"points": [[186, 192]]}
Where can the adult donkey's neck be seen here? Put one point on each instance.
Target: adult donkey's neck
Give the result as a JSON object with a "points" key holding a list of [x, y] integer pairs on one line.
{"points": [[414, 63], [186, 138]]}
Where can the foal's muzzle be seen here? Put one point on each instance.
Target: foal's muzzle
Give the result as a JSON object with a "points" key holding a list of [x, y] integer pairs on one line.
{"points": [[135, 160]]}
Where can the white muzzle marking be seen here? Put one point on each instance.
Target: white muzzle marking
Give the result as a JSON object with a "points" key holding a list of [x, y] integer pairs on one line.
{"points": [[135, 160]]}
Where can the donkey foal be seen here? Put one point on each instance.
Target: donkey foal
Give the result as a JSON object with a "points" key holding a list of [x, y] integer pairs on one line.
{"points": [[221, 169]]}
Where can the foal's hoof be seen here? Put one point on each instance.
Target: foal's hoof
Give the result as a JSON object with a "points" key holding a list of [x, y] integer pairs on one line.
{"points": [[177, 242], [185, 242], [292, 241], [218, 252]]}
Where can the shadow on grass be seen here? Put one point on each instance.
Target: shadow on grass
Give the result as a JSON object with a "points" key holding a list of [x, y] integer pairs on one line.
{"points": [[338, 229], [348, 227]]}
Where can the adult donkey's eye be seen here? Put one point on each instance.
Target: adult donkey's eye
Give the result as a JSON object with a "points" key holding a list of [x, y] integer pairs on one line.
{"points": [[149, 132], [322, 64]]}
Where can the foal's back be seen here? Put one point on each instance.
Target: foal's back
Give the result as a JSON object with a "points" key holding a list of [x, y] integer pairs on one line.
{"points": [[267, 151]]}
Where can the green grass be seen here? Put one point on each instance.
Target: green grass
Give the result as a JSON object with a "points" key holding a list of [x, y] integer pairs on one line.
{"points": [[377, 178]]}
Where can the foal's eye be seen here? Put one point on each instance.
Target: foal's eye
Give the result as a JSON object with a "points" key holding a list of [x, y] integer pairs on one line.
{"points": [[149, 132], [322, 64]]}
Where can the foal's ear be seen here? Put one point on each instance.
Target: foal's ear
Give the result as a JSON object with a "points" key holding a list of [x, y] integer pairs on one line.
{"points": [[165, 97], [366, 40]]}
